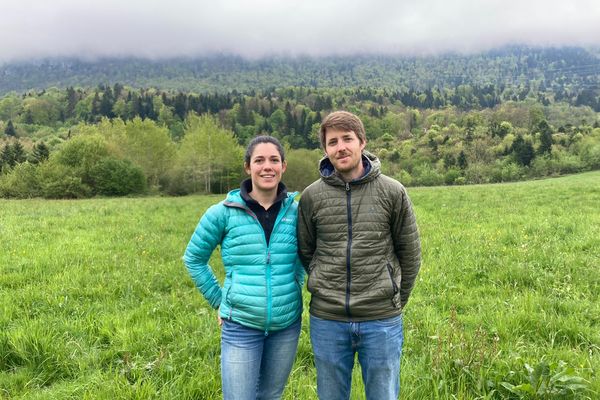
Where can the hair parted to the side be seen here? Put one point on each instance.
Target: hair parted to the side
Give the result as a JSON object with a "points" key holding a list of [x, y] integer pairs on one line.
{"points": [[263, 139], [343, 121]]}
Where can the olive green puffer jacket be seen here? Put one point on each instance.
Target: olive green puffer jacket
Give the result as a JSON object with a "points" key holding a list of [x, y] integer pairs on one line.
{"points": [[359, 244]]}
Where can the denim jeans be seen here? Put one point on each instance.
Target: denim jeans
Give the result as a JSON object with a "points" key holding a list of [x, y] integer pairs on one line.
{"points": [[255, 365], [379, 347]]}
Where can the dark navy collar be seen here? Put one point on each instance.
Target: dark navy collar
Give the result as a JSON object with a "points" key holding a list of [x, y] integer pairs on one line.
{"points": [[246, 188]]}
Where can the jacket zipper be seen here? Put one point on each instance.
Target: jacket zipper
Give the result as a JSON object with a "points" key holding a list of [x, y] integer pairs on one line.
{"points": [[269, 293], [348, 248], [284, 207]]}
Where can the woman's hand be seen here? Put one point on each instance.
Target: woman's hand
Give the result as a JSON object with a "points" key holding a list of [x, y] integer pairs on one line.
{"points": [[219, 317]]}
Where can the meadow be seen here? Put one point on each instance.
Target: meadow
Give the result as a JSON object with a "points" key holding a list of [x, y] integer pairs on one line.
{"points": [[95, 302]]}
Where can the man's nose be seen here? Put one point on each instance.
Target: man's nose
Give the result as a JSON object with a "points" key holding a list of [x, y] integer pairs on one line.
{"points": [[341, 146]]}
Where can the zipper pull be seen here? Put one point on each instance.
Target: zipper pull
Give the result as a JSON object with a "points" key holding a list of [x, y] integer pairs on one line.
{"points": [[347, 186], [269, 257]]}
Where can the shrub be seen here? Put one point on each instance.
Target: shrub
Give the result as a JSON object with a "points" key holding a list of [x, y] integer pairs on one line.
{"points": [[404, 178], [113, 177], [58, 181], [511, 172], [591, 157], [461, 180], [478, 173], [21, 182], [426, 175], [451, 175]]}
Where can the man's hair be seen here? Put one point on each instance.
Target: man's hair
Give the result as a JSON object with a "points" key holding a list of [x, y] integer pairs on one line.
{"points": [[263, 139], [343, 121]]}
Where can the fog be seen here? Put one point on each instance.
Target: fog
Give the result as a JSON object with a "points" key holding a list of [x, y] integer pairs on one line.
{"points": [[161, 29]]}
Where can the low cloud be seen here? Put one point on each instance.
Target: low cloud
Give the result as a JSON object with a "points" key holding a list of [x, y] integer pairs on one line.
{"points": [[161, 29]]}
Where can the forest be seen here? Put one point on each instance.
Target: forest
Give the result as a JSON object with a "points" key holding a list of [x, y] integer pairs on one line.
{"points": [[502, 116]]}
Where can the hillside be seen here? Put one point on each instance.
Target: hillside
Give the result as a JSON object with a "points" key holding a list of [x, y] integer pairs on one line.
{"points": [[557, 69]]}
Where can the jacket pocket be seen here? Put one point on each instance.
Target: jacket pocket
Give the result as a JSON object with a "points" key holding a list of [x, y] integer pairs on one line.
{"points": [[299, 288], [310, 277], [229, 295], [394, 285]]}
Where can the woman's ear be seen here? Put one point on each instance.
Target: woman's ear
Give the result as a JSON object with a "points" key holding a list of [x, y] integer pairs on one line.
{"points": [[247, 168], [283, 166]]}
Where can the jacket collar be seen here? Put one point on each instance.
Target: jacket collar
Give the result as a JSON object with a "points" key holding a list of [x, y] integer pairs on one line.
{"points": [[246, 188], [371, 164], [235, 196]]}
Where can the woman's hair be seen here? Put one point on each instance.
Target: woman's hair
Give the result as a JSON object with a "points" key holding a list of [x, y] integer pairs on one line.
{"points": [[263, 139]]}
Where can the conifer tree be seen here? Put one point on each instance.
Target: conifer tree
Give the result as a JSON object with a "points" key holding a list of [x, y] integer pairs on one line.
{"points": [[19, 154], [7, 157], [40, 153], [462, 160], [10, 129], [545, 137]]}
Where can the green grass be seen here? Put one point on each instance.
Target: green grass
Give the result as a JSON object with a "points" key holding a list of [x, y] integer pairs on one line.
{"points": [[96, 303]]}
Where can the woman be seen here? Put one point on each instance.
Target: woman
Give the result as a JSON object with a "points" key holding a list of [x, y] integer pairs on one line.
{"points": [[260, 304]]}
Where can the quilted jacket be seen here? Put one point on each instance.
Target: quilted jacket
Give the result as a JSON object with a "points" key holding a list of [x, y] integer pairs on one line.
{"points": [[263, 283], [359, 243]]}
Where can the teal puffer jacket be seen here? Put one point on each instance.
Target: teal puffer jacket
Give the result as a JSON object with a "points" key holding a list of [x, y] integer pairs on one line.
{"points": [[263, 283]]}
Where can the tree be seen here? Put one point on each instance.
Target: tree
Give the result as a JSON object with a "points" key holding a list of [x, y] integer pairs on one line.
{"points": [[10, 129], [72, 99], [39, 153], [545, 137], [19, 155], [523, 151], [148, 146], [209, 158], [10, 107], [7, 157], [42, 111], [114, 177], [106, 104], [462, 160]]}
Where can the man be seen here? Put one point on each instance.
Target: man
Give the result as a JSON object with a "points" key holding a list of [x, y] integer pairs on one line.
{"points": [[358, 241]]}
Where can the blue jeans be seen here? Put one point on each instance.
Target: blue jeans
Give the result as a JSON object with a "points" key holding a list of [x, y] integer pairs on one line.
{"points": [[379, 347], [255, 365]]}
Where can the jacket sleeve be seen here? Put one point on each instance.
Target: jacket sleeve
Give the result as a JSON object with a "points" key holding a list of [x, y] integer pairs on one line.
{"points": [[306, 231], [407, 244], [206, 237]]}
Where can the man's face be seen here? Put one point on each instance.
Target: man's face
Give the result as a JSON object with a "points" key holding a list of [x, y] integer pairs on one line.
{"points": [[344, 150]]}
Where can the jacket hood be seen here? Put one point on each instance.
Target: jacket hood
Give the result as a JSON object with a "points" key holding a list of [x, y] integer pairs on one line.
{"points": [[370, 162]]}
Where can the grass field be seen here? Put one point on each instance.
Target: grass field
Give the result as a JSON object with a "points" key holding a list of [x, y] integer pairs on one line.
{"points": [[95, 302]]}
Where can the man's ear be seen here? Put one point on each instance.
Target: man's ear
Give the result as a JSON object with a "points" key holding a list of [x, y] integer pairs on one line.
{"points": [[362, 145]]}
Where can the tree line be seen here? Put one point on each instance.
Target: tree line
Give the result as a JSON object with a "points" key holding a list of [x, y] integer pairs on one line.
{"points": [[117, 140]]}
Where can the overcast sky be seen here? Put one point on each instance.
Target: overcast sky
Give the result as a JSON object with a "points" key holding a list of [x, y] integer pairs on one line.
{"points": [[253, 28]]}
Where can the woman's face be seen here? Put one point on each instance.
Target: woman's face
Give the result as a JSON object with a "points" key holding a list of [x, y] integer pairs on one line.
{"points": [[265, 167]]}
